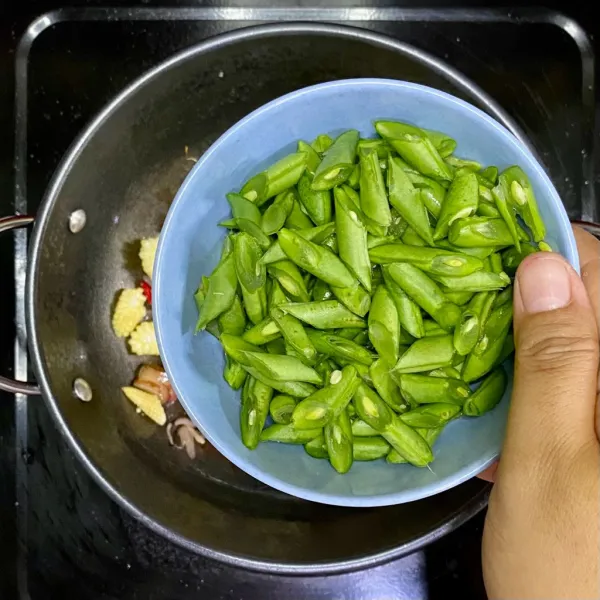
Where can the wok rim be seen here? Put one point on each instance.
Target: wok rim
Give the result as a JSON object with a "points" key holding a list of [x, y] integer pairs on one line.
{"points": [[454, 520]]}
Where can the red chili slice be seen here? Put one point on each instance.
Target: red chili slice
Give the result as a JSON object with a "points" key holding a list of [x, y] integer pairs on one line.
{"points": [[147, 289]]}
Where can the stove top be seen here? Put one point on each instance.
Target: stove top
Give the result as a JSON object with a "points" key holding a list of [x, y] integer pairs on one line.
{"points": [[60, 532]]}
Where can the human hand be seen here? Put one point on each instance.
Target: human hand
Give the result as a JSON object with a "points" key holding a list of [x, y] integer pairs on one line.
{"points": [[542, 531]]}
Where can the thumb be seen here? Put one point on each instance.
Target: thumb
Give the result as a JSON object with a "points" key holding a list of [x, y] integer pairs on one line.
{"points": [[556, 363]]}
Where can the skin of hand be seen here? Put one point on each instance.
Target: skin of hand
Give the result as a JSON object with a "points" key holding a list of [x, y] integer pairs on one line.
{"points": [[542, 531]]}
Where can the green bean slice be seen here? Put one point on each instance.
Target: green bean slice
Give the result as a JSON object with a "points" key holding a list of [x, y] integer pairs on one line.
{"points": [[386, 386], [326, 404], [285, 173], [255, 409], [461, 201], [425, 389], [315, 259], [281, 408], [426, 354], [329, 314], [384, 325], [487, 395], [406, 199], [338, 347], [294, 334], [373, 196], [426, 293], [338, 440], [287, 434], [431, 415], [338, 162], [290, 279]]}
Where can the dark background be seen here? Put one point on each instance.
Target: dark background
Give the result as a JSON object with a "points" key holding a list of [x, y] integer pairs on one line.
{"points": [[124, 566]]}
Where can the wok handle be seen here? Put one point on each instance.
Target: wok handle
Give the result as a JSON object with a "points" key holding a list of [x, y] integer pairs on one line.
{"points": [[10, 385]]}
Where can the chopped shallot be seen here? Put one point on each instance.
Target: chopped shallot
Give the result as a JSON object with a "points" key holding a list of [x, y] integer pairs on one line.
{"points": [[154, 380], [188, 436]]}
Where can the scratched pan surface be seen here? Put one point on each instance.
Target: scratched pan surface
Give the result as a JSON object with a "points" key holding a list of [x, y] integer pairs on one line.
{"points": [[125, 173]]}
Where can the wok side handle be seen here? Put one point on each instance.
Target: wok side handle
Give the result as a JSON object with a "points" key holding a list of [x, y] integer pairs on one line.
{"points": [[10, 385]]}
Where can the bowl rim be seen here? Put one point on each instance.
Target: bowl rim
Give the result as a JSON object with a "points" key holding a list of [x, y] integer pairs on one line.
{"points": [[402, 496]]}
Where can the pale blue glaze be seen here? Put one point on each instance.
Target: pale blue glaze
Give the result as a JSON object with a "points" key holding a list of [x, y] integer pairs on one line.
{"points": [[190, 244]]}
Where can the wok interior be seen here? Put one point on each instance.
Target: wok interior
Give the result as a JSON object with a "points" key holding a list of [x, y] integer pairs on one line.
{"points": [[125, 178]]}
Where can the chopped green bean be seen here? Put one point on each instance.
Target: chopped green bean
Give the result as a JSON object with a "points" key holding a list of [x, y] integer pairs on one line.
{"points": [[326, 404], [373, 196], [480, 281], [384, 325], [251, 273], [317, 235], [337, 347], [288, 434], [316, 448], [406, 199], [487, 395], [242, 208], [431, 415], [262, 333], [354, 298], [426, 354], [426, 293], [466, 332], [296, 389], [290, 279], [317, 260], [461, 201], [409, 313], [524, 201], [425, 389], [285, 173], [338, 440], [281, 409], [219, 291], [449, 372], [430, 260], [480, 231], [385, 385], [297, 219], [488, 349], [459, 298], [369, 448], [338, 162], [255, 189], [501, 196], [233, 320], [417, 150], [255, 409], [234, 374], [247, 226], [362, 429], [322, 143], [329, 314], [352, 237]]}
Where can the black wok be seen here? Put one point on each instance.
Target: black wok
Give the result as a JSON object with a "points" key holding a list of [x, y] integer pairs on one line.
{"points": [[123, 172]]}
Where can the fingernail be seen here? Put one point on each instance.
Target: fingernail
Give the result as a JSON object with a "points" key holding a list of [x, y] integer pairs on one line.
{"points": [[544, 283]]}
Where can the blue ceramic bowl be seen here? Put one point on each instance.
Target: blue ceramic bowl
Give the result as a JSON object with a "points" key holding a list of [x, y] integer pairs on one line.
{"points": [[190, 244]]}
